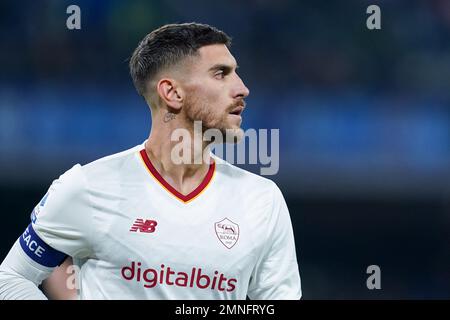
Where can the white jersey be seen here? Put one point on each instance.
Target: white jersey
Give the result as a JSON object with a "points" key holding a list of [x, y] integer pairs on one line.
{"points": [[134, 236]]}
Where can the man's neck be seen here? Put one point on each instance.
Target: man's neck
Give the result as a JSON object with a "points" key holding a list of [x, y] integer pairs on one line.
{"points": [[184, 177]]}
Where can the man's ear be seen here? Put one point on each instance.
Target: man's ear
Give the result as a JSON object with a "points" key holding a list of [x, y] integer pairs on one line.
{"points": [[170, 93]]}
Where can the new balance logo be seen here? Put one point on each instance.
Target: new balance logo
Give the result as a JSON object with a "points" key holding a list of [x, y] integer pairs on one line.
{"points": [[141, 225]]}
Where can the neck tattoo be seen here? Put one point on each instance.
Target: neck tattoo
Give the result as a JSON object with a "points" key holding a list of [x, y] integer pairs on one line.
{"points": [[169, 116]]}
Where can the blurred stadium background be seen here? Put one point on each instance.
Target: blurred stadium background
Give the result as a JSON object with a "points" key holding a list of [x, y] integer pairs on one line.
{"points": [[364, 120]]}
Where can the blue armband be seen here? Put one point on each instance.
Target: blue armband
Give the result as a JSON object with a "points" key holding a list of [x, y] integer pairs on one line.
{"points": [[39, 251]]}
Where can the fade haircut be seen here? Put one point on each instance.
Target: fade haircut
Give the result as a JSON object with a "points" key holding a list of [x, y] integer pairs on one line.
{"points": [[167, 46]]}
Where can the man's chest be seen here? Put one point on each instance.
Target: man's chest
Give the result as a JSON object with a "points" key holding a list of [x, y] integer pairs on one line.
{"points": [[205, 245]]}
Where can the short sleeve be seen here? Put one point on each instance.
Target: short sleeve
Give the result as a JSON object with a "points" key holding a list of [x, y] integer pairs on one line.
{"points": [[276, 275], [63, 219]]}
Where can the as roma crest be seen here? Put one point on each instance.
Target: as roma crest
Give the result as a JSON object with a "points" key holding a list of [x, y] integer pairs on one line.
{"points": [[228, 232]]}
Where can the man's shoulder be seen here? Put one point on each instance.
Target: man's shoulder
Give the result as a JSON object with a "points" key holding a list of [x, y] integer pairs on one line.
{"points": [[243, 178], [116, 157], [110, 167], [113, 160]]}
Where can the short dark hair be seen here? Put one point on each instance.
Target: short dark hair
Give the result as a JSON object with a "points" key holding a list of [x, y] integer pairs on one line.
{"points": [[168, 45]]}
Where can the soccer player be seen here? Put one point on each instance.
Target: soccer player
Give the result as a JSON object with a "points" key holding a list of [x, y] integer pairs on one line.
{"points": [[140, 225]]}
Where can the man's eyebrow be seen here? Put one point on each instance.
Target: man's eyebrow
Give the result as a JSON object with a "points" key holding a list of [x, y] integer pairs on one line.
{"points": [[222, 66]]}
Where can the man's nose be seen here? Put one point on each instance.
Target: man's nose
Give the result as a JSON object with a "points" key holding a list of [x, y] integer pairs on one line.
{"points": [[241, 89]]}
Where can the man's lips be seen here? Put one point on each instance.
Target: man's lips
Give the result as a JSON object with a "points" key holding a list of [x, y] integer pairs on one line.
{"points": [[237, 110]]}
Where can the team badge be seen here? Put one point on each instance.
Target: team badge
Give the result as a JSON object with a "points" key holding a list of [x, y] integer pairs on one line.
{"points": [[228, 232]]}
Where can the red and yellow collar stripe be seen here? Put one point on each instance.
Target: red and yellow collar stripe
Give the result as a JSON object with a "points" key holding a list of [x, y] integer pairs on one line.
{"points": [[184, 198]]}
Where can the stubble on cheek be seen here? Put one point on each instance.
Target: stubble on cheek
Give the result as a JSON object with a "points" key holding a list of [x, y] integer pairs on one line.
{"points": [[201, 109]]}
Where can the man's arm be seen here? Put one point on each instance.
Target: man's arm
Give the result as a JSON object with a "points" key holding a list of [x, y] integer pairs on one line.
{"points": [[56, 287], [61, 225], [20, 276]]}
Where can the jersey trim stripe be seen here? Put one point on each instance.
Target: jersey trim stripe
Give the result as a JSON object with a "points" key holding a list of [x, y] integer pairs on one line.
{"points": [[185, 198]]}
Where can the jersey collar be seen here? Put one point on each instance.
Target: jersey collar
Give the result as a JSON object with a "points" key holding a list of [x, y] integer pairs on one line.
{"points": [[184, 198]]}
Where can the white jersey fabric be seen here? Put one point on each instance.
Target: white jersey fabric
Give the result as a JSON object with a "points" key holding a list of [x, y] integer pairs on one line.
{"points": [[134, 237]]}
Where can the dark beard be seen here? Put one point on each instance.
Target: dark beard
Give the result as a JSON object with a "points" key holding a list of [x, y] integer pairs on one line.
{"points": [[196, 111], [199, 112]]}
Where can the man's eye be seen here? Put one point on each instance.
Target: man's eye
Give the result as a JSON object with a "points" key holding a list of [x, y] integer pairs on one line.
{"points": [[219, 75]]}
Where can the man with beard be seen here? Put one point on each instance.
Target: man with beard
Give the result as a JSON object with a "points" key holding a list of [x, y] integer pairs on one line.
{"points": [[141, 225]]}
